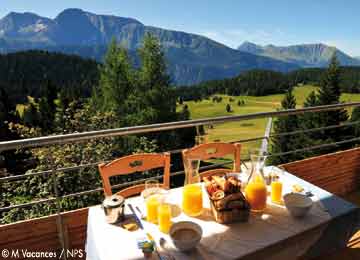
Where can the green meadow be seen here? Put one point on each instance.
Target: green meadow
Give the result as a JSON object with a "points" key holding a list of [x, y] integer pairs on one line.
{"points": [[250, 128]]}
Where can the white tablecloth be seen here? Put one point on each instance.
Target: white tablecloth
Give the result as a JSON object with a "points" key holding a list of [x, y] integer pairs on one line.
{"points": [[275, 225]]}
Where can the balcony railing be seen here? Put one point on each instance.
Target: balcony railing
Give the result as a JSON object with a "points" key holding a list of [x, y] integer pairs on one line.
{"points": [[86, 136]]}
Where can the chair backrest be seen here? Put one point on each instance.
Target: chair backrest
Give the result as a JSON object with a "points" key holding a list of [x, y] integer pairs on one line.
{"points": [[131, 164], [213, 151]]}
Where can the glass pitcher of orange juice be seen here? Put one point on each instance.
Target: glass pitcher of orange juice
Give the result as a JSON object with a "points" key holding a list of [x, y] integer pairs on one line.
{"points": [[256, 191], [192, 203]]}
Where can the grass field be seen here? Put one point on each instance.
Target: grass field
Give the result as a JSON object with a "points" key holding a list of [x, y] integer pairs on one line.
{"points": [[251, 128]]}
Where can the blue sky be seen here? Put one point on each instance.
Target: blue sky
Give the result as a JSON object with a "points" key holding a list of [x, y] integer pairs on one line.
{"points": [[231, 22]]}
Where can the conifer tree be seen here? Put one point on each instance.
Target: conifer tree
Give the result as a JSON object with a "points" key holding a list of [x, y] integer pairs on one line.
{"points": [[47, 107], [140, 95], [310, 120], [154, 81], [285, 124], [329, 93], [116, 80], [228, 108]]}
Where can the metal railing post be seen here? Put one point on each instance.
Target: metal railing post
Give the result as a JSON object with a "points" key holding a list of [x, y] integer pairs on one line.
{"points": [[59, 218]]}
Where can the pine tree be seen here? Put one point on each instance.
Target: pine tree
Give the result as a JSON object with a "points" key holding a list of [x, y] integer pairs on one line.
{"points": [[153, 73], [47, 107], [285, 124], [329, 93], [140, 95], [310, 120], [116, 80], [228, 108], [154, 82]]}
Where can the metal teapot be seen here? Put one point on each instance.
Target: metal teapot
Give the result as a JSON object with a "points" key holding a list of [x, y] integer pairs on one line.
{"points": [[114, 208]]}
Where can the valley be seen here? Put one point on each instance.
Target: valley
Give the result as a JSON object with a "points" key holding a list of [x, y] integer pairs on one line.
{"points": [[250, 128]]}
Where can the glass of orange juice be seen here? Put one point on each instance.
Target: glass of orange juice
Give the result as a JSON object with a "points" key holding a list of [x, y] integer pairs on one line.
{"points": [[152, 204], [164, 217], [276, 191], [192, 203]]}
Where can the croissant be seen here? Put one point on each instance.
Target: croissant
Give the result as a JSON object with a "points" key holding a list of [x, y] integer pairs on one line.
{"points": [[210, 185], [222, 183]]}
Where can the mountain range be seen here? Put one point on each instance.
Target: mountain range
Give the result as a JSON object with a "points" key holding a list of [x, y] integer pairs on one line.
{"points": [[304, 55], [191, 58]]}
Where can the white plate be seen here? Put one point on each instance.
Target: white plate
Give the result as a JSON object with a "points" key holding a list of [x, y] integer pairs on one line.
{"points": [[148, 192]]}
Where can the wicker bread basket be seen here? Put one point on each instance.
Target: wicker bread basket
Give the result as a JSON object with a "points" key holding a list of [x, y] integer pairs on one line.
{"points": [[225, 215]]}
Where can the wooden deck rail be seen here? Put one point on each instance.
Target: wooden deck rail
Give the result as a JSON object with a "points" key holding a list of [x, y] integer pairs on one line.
{"points": [[338, 173], [41, 234]]}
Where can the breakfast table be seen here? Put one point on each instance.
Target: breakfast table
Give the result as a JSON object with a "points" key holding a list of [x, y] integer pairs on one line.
{"points": [[274, 234]]}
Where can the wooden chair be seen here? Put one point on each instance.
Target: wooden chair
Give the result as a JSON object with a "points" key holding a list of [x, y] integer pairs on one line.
{"points": [[131, 164], [214, 151]]}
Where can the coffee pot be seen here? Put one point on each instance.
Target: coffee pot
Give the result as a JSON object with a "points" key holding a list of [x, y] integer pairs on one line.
{"points": [[114, 208]]}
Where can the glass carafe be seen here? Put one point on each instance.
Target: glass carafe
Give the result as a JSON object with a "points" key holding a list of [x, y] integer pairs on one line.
{"points": [[256, 191], [192, 203]]}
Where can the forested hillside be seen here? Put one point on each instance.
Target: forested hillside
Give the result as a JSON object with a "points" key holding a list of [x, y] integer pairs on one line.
{"points": [[265, 82], [23, 73]]}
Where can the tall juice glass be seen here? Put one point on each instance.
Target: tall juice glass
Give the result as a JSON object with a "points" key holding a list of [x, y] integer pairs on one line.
{"points": [[192, 203], [152, 204], [164, 217], [276, 191], [256, 191], [151, 187]]}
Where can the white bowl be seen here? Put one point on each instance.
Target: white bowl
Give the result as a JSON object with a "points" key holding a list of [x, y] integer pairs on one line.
{"points": [[297, 204], [187, 242]]}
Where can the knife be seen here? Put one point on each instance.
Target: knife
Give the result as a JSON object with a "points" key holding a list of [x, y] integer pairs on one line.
{"points": [[142, 216], [138, 221]]}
